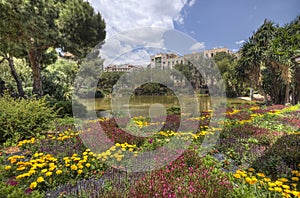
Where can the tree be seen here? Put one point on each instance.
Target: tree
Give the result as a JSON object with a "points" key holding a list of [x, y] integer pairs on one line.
{"points": [[266, 61], [254, 58], [227, 64], [34, 26]]}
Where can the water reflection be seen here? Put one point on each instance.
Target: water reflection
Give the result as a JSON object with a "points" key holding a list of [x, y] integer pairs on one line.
{"points": [[140, 105]]}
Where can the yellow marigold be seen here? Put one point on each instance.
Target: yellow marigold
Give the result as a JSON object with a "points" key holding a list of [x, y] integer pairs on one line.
{"points": [[44, 170], [251, 169], [58, 172], [79, 172], [295, 178], [260, 174], [296, 193], [285, 194], [21, 168], [283, 179], [294, 172], [7, 167], [238, 176], [285, 186], [48, 174], [271, 184], [40, 179], [33, 185], [270, 189], [251, 181], [74, 167], [87, 164], [278, 189], [31, 171], [20, 176], [267, 179], [278, 183]]}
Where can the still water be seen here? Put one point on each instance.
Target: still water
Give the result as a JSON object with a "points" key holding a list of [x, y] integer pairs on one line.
{"points": [[142, 105]]}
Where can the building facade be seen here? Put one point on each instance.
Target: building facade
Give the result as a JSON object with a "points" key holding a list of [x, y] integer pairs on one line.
{"points": [[121, 68], [169, 60]]}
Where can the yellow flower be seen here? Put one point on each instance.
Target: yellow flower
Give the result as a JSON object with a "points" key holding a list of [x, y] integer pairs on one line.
{"points": [[44, 170], [21, 168], [31, 171], [278, 189], [79, 172], [252, 180], [51, 164], [74, 167], [48, 174], [87, 164], [40, 179], [296, 193], [295, 178], [267, 179], [251, 169], [58, 172], [283, 179], [260, 174], [7, 167], [33, 185], [238, 176], [271, 184], [286, 186], [278, 183]]}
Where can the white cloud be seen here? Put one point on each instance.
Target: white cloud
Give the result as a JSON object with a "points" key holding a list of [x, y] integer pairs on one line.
{"points": [[192, 2], [121, 15], [198, 46], [240, 42]]}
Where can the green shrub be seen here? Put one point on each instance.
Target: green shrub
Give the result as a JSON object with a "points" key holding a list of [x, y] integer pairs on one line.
{"points": [[24, 118], [279, 158]]}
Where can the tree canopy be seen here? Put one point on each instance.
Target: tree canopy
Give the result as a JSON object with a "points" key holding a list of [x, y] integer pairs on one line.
{"points": [[29, 28]]}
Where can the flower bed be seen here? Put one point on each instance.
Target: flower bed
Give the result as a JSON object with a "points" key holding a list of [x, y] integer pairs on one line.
{"points": [[257, 155]]}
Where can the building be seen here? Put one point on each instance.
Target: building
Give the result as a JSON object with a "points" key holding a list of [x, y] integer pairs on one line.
{"points": [[212, 52], [166, 60], [169, 60], [121, 68]]}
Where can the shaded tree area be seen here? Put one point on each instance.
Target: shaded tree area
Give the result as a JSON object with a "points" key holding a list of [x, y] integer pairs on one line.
{"points": [[266, 61], [30, 29], [227, 64]]}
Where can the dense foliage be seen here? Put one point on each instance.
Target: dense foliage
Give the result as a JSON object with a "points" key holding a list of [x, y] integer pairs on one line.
{"points": [[267, 64], [24, 118]]}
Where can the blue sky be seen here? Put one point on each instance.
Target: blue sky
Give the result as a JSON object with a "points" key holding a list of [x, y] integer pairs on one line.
{"points": [[212, 23], [225, 22]]}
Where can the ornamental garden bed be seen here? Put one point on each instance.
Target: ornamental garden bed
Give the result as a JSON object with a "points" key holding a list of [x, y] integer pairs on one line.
{"points": [[256, 155]]}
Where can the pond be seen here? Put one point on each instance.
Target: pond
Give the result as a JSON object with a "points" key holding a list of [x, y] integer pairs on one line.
{"points": [[140, 105]]}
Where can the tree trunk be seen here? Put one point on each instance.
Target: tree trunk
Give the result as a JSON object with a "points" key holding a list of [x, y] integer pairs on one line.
{"points": [[16, 76], [287, 93], [35, 56], [266, 101]]}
